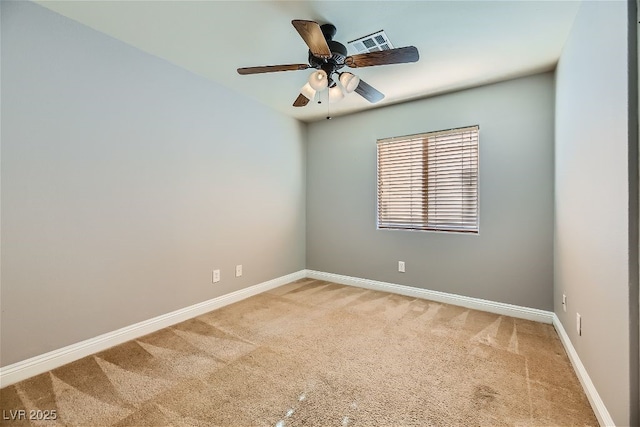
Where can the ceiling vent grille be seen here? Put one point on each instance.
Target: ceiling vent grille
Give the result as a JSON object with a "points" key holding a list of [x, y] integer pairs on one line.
{"points": [[371, 43]]}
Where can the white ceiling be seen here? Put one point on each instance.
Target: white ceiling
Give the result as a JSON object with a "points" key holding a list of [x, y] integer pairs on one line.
{"points": [[461, 43]]}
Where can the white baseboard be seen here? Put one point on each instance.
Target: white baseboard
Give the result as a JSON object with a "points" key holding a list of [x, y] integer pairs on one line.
{"points": [[45, 362], [39, 364], [459, 300], [604, 418]]}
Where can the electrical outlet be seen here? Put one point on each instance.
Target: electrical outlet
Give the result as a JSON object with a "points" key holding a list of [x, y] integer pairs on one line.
{"points": [[238, 270], [401, 266], [216, 276], [579, 323], [564, 302]]}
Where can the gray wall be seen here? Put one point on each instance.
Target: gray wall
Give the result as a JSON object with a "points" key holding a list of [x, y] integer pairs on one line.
{"points": [[125, 181], [510, 260], [592, 193]]}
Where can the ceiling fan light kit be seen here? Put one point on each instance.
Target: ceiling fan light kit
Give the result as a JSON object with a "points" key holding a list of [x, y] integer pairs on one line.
{"points": [[328, 56], [318, 80], [349, 81], [308, 92], [335, 94]]}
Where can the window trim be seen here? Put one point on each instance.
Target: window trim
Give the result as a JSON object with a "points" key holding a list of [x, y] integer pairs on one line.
{"points": [[422, 136]]}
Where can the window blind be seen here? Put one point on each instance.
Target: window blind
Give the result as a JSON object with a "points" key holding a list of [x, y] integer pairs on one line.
{"points": [[429, 181]]}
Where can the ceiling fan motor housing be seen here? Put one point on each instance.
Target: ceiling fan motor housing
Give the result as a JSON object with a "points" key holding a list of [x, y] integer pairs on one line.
{"points": [[338, 53], [333, 64]]}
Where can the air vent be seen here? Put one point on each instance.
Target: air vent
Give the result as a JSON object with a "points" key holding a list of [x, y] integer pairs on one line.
{"points": [[371, 43]]}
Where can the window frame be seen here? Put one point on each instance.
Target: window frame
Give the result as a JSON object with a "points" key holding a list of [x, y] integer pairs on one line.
{"points": [[424, 227]]}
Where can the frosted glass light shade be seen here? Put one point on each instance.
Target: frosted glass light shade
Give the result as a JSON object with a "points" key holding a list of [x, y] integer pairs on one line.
{"points": [[308, 91], [318, 80], [349, 81], [335, 94]]}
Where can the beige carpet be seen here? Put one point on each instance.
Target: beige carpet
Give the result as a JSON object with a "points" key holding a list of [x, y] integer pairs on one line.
{"points": [[314, 353]]}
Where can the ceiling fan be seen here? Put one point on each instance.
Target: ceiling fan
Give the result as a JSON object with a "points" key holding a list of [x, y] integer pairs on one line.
{"points": [[328, 56]]}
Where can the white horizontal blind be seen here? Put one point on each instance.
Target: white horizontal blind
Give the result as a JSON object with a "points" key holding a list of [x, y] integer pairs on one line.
{"points": [[429, 181]]}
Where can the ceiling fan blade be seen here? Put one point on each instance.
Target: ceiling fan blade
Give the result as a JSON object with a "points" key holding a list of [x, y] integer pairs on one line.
{"points": [[301, 101], [400, 55], [272, 68], [368, 92], [312, 35]]}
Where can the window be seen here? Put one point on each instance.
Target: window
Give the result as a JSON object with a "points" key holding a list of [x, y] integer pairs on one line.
{"points": [[429, 181]]}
